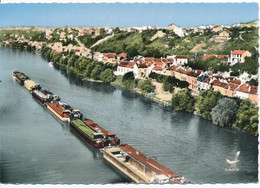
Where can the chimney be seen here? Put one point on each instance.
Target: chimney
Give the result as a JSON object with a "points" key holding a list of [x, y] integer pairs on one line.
{"points": [[249, 88]]}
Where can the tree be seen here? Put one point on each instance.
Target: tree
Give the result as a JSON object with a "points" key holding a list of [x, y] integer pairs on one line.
{"points": [[129, 80], [146, 86], [183, 101], [131, 52], [107, 76], [224, 113], [247, 117], [167, 85], [206, 101]]}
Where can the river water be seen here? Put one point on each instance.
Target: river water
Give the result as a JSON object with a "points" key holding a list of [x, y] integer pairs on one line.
{"points": [[37, 148]]}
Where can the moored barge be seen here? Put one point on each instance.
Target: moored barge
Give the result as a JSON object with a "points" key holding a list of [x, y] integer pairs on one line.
{"points": [[109, 138], [20, 77], [89, 135], [60, 110], [44, 96], [139, 168], [30, 85]]}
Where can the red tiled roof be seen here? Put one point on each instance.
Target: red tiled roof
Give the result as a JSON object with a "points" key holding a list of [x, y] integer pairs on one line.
{"points": [[240, 52], [248, 88], [174, 67], [142, 65], [181, 57], [218, 56], [110, 55], [215, 26], [222, 56], [149, 59], [218, 83], [208, 56], [194, 73], [231, 86], [235, 81], [158, 68], [126, 64], [121, 55]]}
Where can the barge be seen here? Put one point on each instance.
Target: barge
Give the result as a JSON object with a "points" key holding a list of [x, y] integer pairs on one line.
{"points": [[139, 168], [90, 136], [30, 85], [109, 138], [20, 77], [60, 109], [44, 96]]}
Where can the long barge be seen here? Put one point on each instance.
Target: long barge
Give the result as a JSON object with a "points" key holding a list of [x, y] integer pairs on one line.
{"points": [[139, 168]]}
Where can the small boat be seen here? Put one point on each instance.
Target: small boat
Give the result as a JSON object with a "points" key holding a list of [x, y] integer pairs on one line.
{"points": [[50, 64]]}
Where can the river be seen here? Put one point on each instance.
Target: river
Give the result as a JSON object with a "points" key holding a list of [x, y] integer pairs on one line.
{"points": [[37, 148]]}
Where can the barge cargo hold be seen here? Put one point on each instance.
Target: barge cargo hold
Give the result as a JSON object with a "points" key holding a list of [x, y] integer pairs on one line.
{"points": [[19, 77], [30, 85], [89, 135], [109, 138], [60, 110], [139, 168]]}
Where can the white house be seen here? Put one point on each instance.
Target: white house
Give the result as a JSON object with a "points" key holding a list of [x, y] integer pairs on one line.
{"points": [[238, 56], [179, 59], [125, 67]]}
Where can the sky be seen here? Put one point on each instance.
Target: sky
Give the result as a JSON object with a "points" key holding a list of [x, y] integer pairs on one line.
{"points": [[125, 14]]}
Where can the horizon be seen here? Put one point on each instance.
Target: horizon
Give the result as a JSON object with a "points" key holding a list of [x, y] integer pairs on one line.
{"points": [[117, 14]]}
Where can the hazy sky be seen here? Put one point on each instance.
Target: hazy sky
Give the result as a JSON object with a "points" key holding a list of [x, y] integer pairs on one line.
{"points": [[126, 14]]}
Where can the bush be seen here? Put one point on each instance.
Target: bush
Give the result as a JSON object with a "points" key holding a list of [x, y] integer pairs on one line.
{"points": [[183, 101], [146, 86]]}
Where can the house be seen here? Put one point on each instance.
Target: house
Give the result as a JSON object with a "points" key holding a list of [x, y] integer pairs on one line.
{"points": [[125, 67], [181, 60], [121, 56], [222, 37], [238, 56], [216, 28], [202, 82], [159, 67], [230, 89], [109, 58], [192, 79], [218, 86], [171, 70], [246, 91], [181, 73]]}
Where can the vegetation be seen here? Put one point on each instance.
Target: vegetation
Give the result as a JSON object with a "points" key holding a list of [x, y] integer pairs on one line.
{"points": [[183, 101], [224, 113], [129, 81], [206, 101], [247, 117], [168, 81], [146, 86]]}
